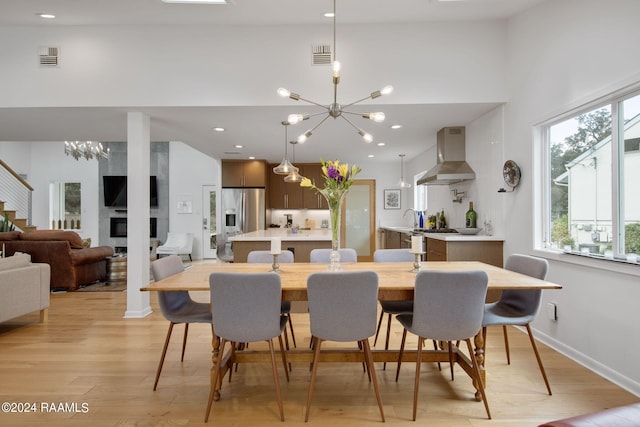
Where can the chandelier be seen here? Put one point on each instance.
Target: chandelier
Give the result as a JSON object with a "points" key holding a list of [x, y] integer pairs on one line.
{"points": [[335, 109], [87, 149]]}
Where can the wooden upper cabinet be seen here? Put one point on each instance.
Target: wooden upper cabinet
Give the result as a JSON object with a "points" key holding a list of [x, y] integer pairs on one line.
{"points": [[311, 199], [283, 195], [244, 173]]}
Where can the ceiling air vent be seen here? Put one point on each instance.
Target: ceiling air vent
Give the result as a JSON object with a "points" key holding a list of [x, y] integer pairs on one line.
{"points": [[48, 56], [321, 54]]}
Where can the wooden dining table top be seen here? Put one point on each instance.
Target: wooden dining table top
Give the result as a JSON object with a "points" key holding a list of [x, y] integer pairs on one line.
{"points": [[396, 279]]}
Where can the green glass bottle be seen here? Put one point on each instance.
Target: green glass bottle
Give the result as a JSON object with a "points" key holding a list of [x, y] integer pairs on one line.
{"points": [[471, 216]]}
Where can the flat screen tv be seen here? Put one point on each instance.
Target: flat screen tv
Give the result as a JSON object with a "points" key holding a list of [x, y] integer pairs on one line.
{"points": [[115, 191]]}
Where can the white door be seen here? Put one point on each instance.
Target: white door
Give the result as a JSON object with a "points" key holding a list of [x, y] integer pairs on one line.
{"points": [[209, 230]]}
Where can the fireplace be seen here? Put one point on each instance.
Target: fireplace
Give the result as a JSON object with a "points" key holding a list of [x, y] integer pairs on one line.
{"points": [[118, 227]]}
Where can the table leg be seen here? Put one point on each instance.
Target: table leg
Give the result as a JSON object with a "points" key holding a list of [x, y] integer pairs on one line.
{"points": [[478, 342], [215, 345]]}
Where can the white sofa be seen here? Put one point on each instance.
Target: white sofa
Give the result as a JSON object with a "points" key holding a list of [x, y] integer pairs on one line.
{"points": [[24, 287]]}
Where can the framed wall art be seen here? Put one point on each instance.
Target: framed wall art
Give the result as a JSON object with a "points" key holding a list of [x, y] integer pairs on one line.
{"points": [[392, 199]]}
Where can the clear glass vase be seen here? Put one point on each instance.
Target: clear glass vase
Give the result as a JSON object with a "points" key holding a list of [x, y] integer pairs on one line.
{"points": [[335, 198]]}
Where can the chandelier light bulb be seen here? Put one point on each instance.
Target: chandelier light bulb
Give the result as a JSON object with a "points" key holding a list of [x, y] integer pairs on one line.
{"points": [[336, 66], [366, 136], [296, 118], [377, 117], [387, 90], [284, 92], [302, 138]]}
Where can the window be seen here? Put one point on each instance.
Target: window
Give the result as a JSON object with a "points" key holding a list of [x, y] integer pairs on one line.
{"points": [[591, 192], [419, 194], [65, 205]]}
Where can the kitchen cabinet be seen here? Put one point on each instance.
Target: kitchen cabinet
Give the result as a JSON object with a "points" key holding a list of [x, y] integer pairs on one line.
{"points": [[487, 251], [311, 199], [283, 195], [244, 173], [396, 239]]}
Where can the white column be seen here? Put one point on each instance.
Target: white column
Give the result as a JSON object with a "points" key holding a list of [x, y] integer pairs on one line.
{"points": [[138, 168]]}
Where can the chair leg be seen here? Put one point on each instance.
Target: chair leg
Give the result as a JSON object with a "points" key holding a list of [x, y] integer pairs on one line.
{"points": [[369, 359], [416, 384], [535, 350], [284, 358], [449, 345], [478, 378], [164, 353], [314, 372], [275, 377], [375, 340], [404, 337], [435, 347], [506, 343], [184, 340], [386, 342], [214, 380], [293, 336]]}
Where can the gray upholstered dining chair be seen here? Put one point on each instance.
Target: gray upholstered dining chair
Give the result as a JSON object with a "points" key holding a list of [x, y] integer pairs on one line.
{"points": [[322, 255], [343, 308], [176, 306], [518, 307], [285, 256], [246, 308], [448, 306], [392, 307]]}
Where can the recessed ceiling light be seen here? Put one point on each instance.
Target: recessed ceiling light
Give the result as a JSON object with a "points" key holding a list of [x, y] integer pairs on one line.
{"points": [[380, 144], [328, 15], [46, 15], [218, 129], [238, 146], [252, 157], [395, 126], [370, 155]]}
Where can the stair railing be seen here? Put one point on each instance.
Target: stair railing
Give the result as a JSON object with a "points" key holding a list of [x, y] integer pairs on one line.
{"points": [[15, 192]]}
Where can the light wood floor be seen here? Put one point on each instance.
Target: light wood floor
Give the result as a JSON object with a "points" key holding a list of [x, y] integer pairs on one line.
{"points": [[89, 354]]}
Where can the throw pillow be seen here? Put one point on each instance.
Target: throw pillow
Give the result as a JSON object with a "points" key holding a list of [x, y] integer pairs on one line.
{"points": [[86, 243], [16, 261]]}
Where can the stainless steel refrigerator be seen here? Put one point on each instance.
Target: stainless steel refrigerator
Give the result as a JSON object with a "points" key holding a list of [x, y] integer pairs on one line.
{"points": [[243, 211]]}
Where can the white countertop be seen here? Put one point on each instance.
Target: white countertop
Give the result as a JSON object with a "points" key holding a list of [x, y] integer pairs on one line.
{"points": [[455, 237], [449, 237], [316, 234]]}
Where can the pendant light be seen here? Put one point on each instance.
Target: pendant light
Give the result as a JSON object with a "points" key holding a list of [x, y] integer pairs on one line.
{"points": [[294, 176], [285, 167], [403, 183]]}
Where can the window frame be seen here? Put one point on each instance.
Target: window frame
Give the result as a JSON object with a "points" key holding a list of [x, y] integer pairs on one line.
{"points": [[542, 189]]}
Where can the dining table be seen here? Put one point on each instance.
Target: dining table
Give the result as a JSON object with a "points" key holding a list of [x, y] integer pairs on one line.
{"points": [[395, 282]]}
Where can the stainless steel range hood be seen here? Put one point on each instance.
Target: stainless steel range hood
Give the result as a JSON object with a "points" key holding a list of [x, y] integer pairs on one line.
{"points": [[451, 166]]}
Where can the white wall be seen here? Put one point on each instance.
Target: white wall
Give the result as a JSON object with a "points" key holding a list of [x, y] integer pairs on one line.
{"points": [[216, 65], [189, 170], [557, 61], [44, 163]]}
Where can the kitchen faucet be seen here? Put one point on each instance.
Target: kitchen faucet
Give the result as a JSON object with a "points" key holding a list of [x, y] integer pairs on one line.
{"points": [[415, 217]]}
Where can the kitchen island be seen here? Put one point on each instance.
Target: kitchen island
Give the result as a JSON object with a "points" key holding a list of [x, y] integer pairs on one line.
{"points": [[300, 243]]}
